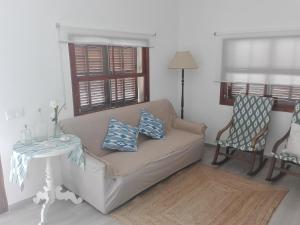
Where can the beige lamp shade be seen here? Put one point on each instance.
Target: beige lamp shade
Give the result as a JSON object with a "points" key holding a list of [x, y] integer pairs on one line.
{"points": [[183, 60]]}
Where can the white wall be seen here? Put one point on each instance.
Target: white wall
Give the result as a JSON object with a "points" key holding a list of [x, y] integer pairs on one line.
{"points": [[198, 21], [30, 65]]}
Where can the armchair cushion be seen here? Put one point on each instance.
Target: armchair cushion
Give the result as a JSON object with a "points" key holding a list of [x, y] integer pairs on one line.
{"points": [[244, 147], [251, 114], [287, 156]]}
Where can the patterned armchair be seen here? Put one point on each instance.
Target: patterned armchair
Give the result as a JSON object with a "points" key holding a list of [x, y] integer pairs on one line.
{"points": [[248, 130], [283, 155]]}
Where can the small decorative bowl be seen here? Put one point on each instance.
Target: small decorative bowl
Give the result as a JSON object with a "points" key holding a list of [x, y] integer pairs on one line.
{"points": [[65, 138]]}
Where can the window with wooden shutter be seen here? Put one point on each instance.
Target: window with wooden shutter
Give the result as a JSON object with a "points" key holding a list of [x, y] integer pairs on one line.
{"points": [[261, 66], [285, 96], [105, 77]]}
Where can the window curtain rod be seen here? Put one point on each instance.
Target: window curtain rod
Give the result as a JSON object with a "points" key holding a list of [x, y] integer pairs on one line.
{"points": [[256, 33], [69, 34]]}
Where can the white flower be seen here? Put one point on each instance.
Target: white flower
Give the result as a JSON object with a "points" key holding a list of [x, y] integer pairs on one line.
{"points": [[53, 104]]}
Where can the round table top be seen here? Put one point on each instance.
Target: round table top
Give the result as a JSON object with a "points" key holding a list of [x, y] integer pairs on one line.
{"points": [[49, 148]]}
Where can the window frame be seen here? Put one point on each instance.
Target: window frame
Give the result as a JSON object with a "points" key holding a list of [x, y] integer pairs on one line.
{"points": [[226, 98], [75, 81]]}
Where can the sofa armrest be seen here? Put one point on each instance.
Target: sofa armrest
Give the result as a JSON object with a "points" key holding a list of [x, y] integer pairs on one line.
{"points": [[196, 128]]}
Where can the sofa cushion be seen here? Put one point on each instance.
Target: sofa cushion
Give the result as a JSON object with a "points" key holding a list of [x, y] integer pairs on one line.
{"points": [[91, 128], [151, 126], [121, 136], [123, 163]]}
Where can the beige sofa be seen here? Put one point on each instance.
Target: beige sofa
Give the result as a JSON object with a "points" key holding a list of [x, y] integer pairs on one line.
{"points": [[111, 178]]}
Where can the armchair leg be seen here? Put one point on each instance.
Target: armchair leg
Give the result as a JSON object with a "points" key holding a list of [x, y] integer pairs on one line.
{"points": [[216, 155], [215, 160], [271, 169], [280, 174], [253, 158], [262, 162]]}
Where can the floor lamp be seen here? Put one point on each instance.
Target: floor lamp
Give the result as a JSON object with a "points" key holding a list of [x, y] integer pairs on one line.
{"points": [[183, 60]]}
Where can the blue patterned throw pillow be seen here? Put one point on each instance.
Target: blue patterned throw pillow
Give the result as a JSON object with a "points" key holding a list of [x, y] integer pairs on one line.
{"points": [[151, 126], [121, 136]]}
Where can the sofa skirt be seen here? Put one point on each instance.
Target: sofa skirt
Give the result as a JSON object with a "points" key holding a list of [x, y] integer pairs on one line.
{"points": [[106, 193]]}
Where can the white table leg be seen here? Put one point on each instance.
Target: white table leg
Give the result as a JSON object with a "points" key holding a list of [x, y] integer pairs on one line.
{"points": [[44, 212], [51, 193], [40, 196], [48, 194], [67, 195]]}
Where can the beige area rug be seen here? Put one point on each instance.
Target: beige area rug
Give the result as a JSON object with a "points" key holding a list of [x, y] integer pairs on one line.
{"points": [[202, 195]]}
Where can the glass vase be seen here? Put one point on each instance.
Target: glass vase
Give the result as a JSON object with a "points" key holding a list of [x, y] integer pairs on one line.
{"points": [[56, 131]]}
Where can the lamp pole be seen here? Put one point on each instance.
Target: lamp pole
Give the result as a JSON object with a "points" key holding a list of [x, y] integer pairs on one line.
{"points": [[182, 92]]}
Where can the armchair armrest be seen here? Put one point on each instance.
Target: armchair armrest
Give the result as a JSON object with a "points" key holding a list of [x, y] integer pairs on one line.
{"points": [[224, 129], [258, 136], [196, 128], [280, 141]]}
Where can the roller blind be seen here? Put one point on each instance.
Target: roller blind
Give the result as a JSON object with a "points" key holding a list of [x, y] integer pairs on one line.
{"points": [[266, 60]]}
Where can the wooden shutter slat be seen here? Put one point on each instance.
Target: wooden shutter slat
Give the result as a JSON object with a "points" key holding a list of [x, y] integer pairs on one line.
{"points": [[97, 92], [117, 89], [113, 89], [256, 89], [295, 95], [80, 59], [115, 59], [238, 88], [84, 93], [123, 59], [95, 59], [280, 92], [130, 88], [125, 86], [89, 60]]}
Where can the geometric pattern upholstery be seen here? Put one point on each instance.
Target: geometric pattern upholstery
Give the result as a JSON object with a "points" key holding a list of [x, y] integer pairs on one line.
{"points": [[151, 126], [296, 114], [121, 136], [284, 154], [251, 114]]}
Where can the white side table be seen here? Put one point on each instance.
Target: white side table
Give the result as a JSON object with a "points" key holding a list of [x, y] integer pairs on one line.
{"points": [[48, 150]]}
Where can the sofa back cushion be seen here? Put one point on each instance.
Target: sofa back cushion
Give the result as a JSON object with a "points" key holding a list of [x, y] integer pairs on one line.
{"points": [[92, 128], [151, 126], [121, 136]]}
